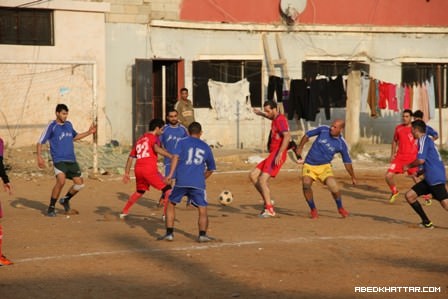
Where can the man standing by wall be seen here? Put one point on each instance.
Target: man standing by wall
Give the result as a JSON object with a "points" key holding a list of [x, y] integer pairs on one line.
{"points": [[185, 108]]}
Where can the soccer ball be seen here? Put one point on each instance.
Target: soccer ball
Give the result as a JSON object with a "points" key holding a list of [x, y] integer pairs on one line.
{"points": [[225, 198]]}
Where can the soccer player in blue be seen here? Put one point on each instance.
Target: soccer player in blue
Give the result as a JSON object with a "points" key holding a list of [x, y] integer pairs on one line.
{"points": [[317, 163], [196, 163], [418, 114], [171, 133], [60, 134], [434, 172]]}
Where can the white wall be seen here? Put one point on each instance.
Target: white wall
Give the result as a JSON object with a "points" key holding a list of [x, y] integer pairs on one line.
{"points": [[79, 34], [125, 43], [382, 49]]}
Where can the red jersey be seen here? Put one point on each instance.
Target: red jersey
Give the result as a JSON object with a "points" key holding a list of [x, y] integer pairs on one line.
{"points": [[143, 151], [407, 145], [278, 127]]}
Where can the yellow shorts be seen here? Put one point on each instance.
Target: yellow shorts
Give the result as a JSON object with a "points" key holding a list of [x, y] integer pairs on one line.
{"points": [[321, 172]]}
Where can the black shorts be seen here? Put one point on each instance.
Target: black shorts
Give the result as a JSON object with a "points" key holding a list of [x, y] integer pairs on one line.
{"points": [[438, 191], [70, 169]]}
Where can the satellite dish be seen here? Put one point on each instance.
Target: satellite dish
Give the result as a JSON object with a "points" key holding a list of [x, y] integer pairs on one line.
{"points": [[292, 8]]}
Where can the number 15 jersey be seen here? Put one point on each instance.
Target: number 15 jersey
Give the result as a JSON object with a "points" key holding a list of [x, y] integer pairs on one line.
{"points": [[143, 151], [195, 156]]}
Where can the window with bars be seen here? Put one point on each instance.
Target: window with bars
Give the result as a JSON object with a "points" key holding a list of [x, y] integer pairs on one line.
{"points": [[420, 73], [24, 26], [228, 71]]}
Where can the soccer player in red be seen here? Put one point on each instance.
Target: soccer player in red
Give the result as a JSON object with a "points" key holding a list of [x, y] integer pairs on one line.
{"points": [[278, 147], [404, 151], [8, 187], [145, 151]]}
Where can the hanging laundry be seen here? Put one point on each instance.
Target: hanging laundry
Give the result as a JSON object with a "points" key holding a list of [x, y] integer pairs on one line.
{"points": [[275, 85], [431, 97], [229, 98]]}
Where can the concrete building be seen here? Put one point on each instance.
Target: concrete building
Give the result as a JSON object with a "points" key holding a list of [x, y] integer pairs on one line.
{"points": [[146, 50]]}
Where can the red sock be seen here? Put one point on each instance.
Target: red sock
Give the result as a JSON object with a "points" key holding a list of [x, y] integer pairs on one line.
{"points": [[132, 200], [393, 189], [1, 237], [270, 208]]}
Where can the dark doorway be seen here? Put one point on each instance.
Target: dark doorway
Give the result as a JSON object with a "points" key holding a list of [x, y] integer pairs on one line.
{"points": [[155, 89]]}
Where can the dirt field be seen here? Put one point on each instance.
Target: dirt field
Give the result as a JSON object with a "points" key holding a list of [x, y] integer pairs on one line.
{"points": [[95, 255]]}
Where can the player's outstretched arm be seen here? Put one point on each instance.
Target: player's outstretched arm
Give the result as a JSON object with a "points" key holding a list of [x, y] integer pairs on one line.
{"points": [[90, 131], [127, 170], [302, 143], [259, 112], [40, 160], [351, 172]]}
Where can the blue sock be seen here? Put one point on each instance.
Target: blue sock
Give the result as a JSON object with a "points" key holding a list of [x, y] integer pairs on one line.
{"points": [[338, 202], [311, 204]]}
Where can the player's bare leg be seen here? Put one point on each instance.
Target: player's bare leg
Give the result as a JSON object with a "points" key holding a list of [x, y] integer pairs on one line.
{"points": [[169, 222], [78, 184], [307, 182], [393, 188], [266, 194], [203, 225], [334, 189], [60, 182], [3, 260]]}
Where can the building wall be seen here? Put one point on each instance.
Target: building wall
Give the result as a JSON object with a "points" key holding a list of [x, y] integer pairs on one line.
{"points": [[79, 34], [384, 52], [335, 12]]}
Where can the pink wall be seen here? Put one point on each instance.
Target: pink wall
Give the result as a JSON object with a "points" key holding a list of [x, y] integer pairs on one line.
{"points": [[332, 12]]}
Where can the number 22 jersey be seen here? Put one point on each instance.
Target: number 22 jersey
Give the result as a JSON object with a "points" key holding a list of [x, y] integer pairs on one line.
{"points": [[143, 151]]}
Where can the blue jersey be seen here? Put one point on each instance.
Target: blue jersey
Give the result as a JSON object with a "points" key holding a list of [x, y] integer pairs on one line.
{"points": [[60, 137], [170, 136], [434, 169], [325, 146], [195, 156], [431, 132]]}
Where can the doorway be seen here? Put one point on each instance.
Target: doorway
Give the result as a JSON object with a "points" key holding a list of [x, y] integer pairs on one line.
{"points": [[157, 82]]}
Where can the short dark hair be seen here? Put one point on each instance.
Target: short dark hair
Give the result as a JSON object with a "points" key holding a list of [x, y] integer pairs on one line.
{"points": [[61, 107], [419, 125], [170, 110], [271, 104], [407, 111], [418, 114], [194, 128], [184, 89], [156, 123]]}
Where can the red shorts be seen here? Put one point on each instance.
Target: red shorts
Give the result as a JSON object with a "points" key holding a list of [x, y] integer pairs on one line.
{"points": [[144, 179], [397, 165], [268, 165]]}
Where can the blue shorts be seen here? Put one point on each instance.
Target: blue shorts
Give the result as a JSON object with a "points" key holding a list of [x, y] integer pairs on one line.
{"points": [[197, 197]]}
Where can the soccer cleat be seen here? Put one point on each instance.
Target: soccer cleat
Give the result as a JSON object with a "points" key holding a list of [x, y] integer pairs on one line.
{"points": [[123, 215], [426, 225], [51, 212], [65, 202], [314, 214], [343, 212], [4, 261], [166, 237], [266, 214], [393, 197], [428, 202], [205, 239]]}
